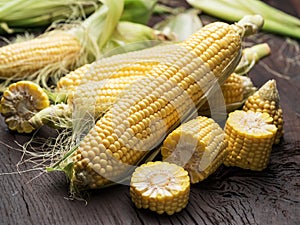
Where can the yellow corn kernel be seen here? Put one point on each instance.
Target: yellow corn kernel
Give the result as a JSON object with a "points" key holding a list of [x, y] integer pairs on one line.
{"points": [[22, 59], [266, 99], [155, 104], [161, 187], [250, 136], [20, 101], [198, 145]]}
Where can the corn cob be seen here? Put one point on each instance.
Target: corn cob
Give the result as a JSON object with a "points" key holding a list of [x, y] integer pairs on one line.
{"points": [[155, 104], [58, 50], [20, 102], [198, 146], [160, 186], [250, 136], [266, 99], [20, 60], [235, 90]]}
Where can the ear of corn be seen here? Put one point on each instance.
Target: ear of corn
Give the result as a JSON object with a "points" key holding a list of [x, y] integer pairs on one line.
{"points": [[160, 186], [20, 60], [20, 102], [53, 53], [250, 136], [198, 145], [155, 105], [266, 99]]}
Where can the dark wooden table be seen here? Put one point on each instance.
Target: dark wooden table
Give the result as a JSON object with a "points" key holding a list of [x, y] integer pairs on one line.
{"points": [[229, 196]]}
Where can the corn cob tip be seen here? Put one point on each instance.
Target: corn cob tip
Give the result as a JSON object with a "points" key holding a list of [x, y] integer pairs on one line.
{"points": [[250, 24], [269, 91], [266, 99]]}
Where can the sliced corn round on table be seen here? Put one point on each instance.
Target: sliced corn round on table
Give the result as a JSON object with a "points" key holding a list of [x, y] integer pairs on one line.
{"points": [[160, 186]]}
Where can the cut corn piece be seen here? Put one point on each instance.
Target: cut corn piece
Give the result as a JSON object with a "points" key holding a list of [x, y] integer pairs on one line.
{"points": [[266, 99], [198, 145], [20, 102], [160, 186], [250, 136]]}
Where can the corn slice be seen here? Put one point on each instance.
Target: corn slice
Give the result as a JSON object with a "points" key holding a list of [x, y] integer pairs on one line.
{"points": [[160, 186], [198, 145], [250, 136]]}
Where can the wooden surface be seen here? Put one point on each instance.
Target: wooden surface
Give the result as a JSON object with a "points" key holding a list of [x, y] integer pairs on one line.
{"points": [[230, 196]]}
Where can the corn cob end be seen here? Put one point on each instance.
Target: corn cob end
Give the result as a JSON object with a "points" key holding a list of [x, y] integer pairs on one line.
{"points": [[20, 101]]}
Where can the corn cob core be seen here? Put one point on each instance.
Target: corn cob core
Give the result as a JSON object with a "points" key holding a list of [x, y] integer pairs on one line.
{"points": [[21, 59], [266, 99], [145, 113], [160, 186], [250, 137], [20, 101], [197, 145]]}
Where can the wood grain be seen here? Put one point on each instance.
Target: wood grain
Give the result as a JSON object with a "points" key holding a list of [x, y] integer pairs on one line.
{"points": [[230, 196]]}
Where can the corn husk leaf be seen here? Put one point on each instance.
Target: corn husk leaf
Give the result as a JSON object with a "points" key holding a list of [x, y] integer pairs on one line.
{"points": [[181, 25]]}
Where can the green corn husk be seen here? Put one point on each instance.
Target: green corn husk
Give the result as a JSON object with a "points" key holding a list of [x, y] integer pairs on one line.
{"points": [[19, 15], [276, 21], [181, 24], [138, 11], [24, 15]]}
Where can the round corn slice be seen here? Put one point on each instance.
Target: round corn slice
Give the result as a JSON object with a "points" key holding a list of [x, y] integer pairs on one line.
{"points": [[20, 101], [160, 186], [198, 145], [250, 136]]}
